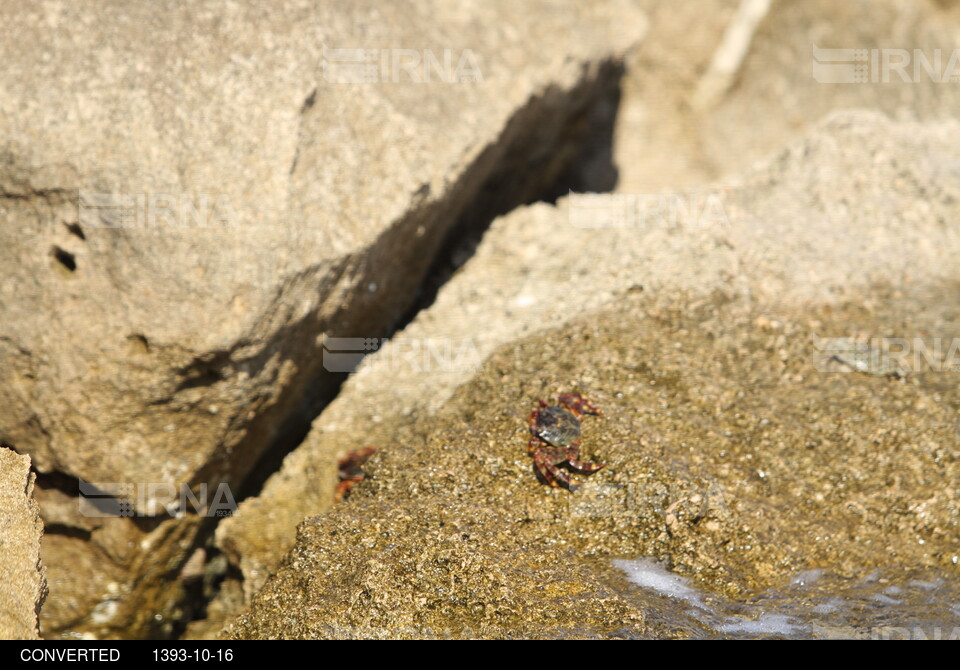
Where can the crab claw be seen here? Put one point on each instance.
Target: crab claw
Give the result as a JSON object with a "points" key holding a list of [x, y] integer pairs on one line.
{"points": [[577, 404]]}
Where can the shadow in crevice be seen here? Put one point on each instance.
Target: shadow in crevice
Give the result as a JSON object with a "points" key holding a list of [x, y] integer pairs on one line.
{"points": [[567, 153], [561, 141]]}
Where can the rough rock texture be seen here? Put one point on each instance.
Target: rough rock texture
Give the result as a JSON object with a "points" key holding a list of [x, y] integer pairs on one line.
{"points": [[174, 336], [24, 586], [538, 268], [463, 586], [730, 457], [705, 338]]}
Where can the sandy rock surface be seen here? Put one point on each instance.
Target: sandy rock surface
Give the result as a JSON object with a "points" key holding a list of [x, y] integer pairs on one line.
{"points": [[24, 586]]}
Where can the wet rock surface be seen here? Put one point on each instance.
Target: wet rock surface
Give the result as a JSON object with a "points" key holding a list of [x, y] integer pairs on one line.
{"points": [[880, 604]]}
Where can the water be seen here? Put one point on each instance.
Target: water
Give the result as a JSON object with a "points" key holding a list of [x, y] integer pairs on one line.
{"points": [[890, 603]]}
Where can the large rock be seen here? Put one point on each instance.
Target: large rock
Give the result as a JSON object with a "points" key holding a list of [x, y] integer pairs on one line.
{"points": [[192, 196], [665, 140], [730, 458], [861, 203], [24, 585]]}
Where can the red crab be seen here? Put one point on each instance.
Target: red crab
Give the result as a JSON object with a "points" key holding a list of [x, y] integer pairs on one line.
{"points": [[555, 439], [350, 471]]}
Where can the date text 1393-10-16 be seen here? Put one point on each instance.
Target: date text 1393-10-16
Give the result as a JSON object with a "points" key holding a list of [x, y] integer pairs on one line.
{"points": [[199, 654]]}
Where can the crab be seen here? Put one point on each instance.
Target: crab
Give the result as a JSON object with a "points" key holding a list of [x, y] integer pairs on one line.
{"points": [[350, 471], [555, 439]]}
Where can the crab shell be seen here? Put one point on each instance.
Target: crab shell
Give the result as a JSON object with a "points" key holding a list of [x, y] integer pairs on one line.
{"points": [[557, 426]]}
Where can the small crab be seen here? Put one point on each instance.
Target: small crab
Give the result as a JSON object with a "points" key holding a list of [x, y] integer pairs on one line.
{"points": [[555, 438], [350, 472]]}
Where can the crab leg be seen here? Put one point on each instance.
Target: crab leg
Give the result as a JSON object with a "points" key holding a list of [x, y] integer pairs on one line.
{"points": [[547, 460], [541, 459], [583, 466], [576, 463], [534, 440]]}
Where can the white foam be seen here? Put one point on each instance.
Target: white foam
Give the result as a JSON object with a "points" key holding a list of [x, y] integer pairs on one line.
{"points": [[779, 613], [885, 599], [806, 577], [768, 624], [650, 574], [927, 586], [833, 605]]}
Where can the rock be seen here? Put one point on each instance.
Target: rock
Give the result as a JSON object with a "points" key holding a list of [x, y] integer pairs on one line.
{"points": [[708, 471], [661, 313], [465, 585], [24, 585], [197, 195], [664, 142]]}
